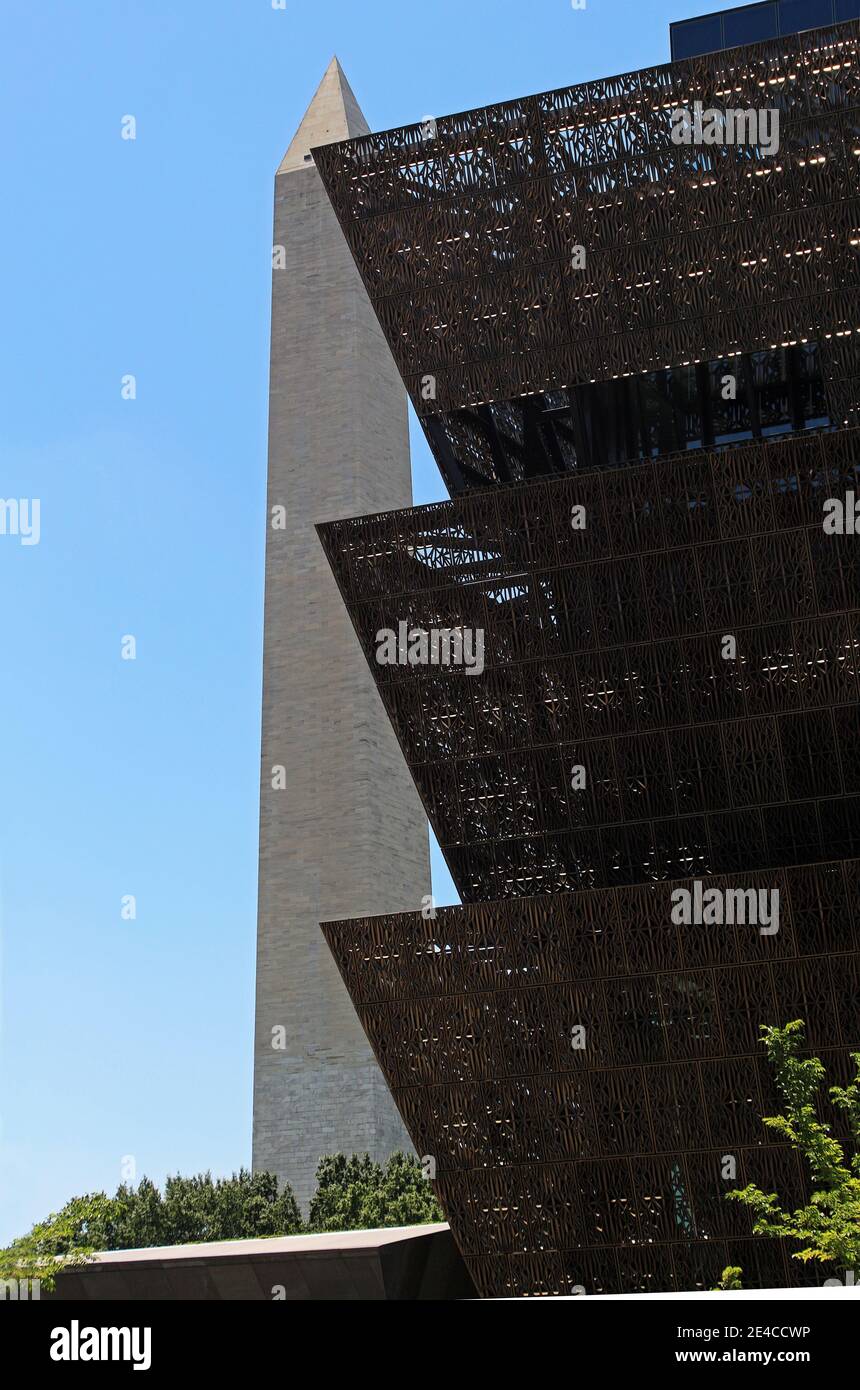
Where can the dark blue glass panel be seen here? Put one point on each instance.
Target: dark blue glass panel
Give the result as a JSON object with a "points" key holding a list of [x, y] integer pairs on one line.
{"points": [[795, 15], [846, 9], [696, 36], [749, 25]]}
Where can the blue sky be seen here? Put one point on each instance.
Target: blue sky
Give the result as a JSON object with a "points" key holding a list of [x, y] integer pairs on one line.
{"points": [[152, 257]]}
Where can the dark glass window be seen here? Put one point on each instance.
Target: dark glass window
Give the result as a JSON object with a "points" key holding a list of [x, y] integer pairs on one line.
{"points": [[602, 424], [697, 36], [755, 23], [749, 25], [795, 15], [751, 396]]}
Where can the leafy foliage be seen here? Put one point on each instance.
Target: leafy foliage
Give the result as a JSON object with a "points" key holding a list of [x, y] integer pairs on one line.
{"points": [[354, 1193], [192, 1210], [828, 1225], [730, 1278], [65, 1239]]}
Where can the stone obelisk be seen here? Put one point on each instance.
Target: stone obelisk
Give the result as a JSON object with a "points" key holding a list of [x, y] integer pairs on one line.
{"points": [[342, 832]]}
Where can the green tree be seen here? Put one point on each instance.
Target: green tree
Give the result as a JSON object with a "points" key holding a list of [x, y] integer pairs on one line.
{"points": [[192, 1210], [132, 1219], [246, 1205], [66, 1238], [354, 1193], [828, 1225]]}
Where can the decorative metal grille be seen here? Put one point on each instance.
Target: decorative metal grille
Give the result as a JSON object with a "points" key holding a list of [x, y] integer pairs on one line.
{"points": [[603, 650], [601, 1165], [465, 242]]}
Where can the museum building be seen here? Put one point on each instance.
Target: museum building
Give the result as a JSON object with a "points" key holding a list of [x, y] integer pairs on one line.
{"points": [[636, 359]]}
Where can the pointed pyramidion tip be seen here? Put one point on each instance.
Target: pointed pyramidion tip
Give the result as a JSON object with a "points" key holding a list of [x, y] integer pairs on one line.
{"points": [[333, 114]]}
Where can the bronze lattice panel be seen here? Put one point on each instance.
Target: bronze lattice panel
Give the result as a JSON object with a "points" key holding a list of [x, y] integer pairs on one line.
{"points": [[603, 650], [694, 254], [601, 1166]]}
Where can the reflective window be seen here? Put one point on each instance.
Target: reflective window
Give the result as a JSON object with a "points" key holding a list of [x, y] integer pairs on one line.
{"points": [[696, 36], [749, 25], [795, 15], [755, 23]]}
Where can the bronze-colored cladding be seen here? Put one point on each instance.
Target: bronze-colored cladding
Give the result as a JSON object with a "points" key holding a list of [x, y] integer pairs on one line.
{"points": [[601, 1165], [603, 649], [465, 240]]}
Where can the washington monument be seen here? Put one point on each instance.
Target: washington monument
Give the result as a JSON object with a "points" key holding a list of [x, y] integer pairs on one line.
{"points": [[342, 832]]}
